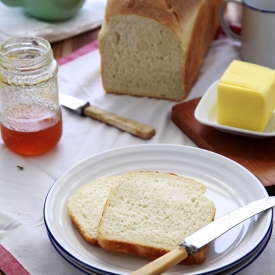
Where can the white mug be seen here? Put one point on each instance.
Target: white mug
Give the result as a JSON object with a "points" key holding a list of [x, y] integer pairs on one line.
{"points": [[258, 31]]}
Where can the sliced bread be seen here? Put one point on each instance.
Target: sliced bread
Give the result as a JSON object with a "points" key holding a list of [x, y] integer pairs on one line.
{"points": [[150, 213], [87, 204]]}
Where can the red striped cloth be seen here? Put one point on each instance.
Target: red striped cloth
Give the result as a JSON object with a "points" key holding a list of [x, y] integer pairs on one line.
{"points": [[9, 265], [81, 51]]}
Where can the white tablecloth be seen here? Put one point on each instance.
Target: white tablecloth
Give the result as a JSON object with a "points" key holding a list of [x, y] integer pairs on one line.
{"points": [[15, 22], [22, 192]]}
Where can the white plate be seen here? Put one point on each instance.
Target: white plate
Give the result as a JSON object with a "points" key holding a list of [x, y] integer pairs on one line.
{"points": [[228, 184], [206, 113], [231, 270]]}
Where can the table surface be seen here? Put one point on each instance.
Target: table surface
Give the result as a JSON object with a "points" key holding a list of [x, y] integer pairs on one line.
{"points": [[64, 47]]}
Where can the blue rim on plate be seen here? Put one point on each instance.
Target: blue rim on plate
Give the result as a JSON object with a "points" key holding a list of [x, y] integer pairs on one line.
{"points": [[229, 185], [69, 260]]}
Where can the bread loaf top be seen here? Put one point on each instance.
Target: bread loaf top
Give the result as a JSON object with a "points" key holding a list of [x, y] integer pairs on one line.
{"points": [[178, 15]]}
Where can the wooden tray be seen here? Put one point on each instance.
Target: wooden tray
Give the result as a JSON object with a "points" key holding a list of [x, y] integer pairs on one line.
{"points": [[256, 154]]}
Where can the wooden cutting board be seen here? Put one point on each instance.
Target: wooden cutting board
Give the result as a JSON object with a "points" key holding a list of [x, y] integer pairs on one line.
{"points": [[256, 154]]}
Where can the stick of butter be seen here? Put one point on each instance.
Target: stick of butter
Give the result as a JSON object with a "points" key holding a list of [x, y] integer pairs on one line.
{"points": [[246, 96]]}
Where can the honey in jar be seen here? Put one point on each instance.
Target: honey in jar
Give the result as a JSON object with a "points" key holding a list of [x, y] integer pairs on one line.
{"points": [[31, 118]]}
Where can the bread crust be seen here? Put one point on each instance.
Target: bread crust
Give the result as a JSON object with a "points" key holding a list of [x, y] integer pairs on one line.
{"points": [[194, 22], [88, 238], [148, 251], [170, 13]]}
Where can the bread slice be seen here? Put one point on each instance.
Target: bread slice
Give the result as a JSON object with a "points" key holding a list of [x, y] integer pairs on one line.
{"points": [[87, 204], [155, 48], [150, 213]]}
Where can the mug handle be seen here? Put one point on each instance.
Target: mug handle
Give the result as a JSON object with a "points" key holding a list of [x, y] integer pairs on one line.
{"points": [[224, 25], [13, 3]]}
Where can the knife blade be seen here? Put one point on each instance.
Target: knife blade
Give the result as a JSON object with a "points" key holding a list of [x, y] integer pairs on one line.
{"points": [[205, 235], [83, 108]]}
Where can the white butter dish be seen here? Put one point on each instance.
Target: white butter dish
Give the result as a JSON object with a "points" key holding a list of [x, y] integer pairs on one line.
{"points": [[206, 113]]}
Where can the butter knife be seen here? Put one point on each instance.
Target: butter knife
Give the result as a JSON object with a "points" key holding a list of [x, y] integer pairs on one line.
{"points": [[205, 235], [83, 108]]}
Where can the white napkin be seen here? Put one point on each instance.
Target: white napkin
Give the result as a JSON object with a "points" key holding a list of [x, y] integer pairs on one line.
{"points": [[15, 22]]}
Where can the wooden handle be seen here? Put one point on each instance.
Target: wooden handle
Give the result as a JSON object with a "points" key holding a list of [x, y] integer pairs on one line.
{"points": [[133, 127], [163, 263]]}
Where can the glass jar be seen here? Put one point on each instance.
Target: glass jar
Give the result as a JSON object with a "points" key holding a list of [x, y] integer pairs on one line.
{"points": [[31, 120]]}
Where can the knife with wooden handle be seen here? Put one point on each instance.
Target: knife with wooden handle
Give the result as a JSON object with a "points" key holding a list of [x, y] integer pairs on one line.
{"points": [[83, 108], [205, 235]]}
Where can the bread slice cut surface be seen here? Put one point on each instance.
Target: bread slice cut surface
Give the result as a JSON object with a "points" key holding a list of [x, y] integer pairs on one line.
{"points": [[87, 204], [150, 213]]}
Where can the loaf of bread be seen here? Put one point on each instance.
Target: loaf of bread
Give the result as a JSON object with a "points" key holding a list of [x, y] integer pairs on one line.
{"points": [[149, 214], [87, 204], [155, 48]]}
